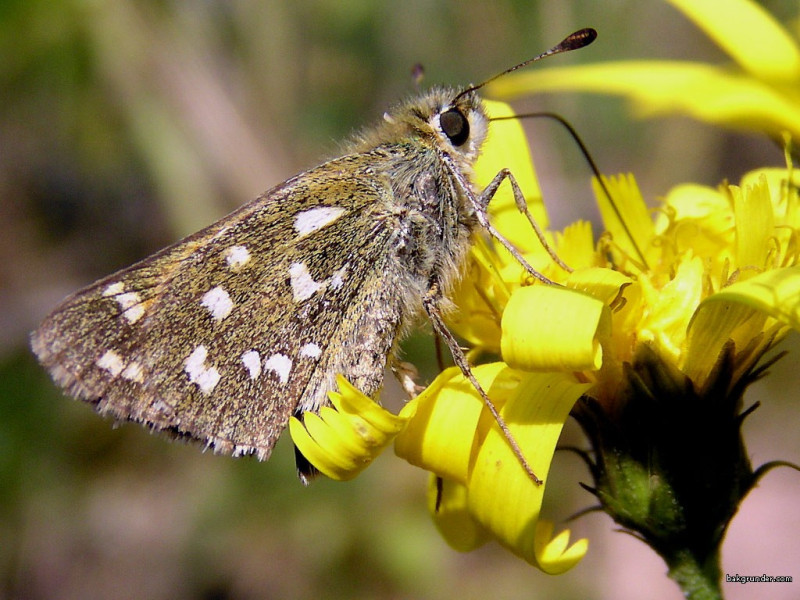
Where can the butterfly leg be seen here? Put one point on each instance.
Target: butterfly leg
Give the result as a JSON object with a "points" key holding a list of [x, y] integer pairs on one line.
{"points": [[432, 305], [488, 193]]}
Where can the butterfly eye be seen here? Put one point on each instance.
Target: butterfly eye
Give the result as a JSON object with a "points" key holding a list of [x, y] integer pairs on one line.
{"points": [[455, 126]]}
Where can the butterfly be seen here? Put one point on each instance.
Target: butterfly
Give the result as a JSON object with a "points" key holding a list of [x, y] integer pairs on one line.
{"points": [[224, 335]]}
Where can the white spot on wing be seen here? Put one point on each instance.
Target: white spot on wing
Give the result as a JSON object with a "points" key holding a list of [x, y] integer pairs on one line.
{"points": [[237, 257], [218, 302], [130, 302], [131, 305], [205, 377], [111, 362], [252, 361], [303, 285], [337, 280], [311, 350], [281, 365], [133, 372], [310, 220], [114, 289]]}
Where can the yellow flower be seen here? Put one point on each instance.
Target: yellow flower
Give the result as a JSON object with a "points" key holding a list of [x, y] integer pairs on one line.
{"points": [[763, 94], [679, 309], [667, 322]]}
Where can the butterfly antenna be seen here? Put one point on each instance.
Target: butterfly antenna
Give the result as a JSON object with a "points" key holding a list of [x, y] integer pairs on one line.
{"points": [[574, 41]]}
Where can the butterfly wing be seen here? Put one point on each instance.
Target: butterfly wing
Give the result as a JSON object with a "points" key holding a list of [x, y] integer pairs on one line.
{"points": [[223, 335]]}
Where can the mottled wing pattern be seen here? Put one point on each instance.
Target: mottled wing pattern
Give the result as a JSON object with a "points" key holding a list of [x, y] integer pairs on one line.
{"points": [[219, 336]]}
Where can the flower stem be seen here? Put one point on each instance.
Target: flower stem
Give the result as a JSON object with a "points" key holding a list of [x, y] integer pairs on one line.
{"points": [[698, 580]]}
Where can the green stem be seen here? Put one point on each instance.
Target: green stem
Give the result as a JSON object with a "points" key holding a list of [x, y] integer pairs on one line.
{"points": [[698, 580]]}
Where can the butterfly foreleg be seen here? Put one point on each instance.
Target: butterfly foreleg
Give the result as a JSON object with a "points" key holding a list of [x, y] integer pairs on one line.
{"points": [[432, 304]]}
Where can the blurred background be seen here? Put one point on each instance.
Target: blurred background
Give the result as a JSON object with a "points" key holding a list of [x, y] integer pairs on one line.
{"points": [[125, 125]]}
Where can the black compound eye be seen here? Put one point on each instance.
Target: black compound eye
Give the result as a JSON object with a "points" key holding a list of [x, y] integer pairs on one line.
{"points": [[455, 126]]}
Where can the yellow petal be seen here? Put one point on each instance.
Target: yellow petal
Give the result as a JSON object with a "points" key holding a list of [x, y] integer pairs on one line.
{"points": [[553, 554], [738, 312], [447, 503], [754, 226], [500, 495], [603, 284], [625, 216], [490, 493], [747, 32], [341, 441], [506, 146], [441, 435], [575, 245], [785, 202], [775, 293], [702, 91], [785, 206], [350, 401], [548, 328], [671, 306], [319, 438]]}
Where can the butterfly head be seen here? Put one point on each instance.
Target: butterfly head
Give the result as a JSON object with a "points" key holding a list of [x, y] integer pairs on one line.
{"points": [[441, 119]]}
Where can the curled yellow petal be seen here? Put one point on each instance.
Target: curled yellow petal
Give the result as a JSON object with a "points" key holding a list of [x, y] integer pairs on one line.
{"points": [[554, 555], [775, 293], [441, 435], [342, 440], [553, 328], [447, 503], [603, 284], [738, 313], [500, 495], [489, 494]]}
